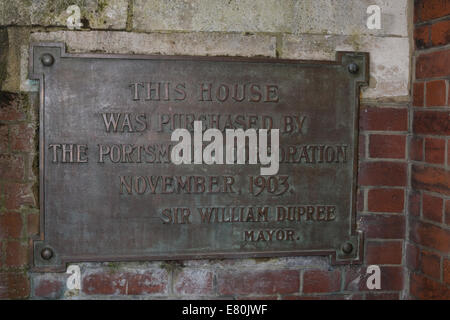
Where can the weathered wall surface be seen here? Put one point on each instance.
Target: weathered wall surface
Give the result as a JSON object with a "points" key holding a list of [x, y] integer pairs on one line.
{"points": [[429, 219], [302, 29]]}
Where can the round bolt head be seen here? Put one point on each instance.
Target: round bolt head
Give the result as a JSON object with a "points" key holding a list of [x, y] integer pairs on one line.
{"points": [[47, 253], [47, 59], [353, 68], [347, 248]]}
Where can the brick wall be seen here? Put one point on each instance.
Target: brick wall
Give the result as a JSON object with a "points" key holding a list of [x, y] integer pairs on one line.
{"points": [[403, 162], [428, 259]]}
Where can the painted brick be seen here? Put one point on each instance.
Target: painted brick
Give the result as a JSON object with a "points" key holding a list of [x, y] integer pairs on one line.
{"points": [[10, 225], [383, 226], [258, 282], [433, 65], [22, 137], [16, 254], [316, 281], [14, 285], [382, 296], [384, 252], [427, 289], [126, 283], [32, 224], [436, 93], [386, 200], [418, 94], [4, 138], [382, 174], [11, 107], [391, 278], [432, 207], [430, 236], [390, 119], [440, 33], [199, 282], [12, 167], [431, 264], [431, 179], [17, 195], [48, 288], [416, 149], [387, 146]]}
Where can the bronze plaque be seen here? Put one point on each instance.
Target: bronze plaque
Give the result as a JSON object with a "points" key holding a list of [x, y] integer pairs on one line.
{"points": [[110, 192]]}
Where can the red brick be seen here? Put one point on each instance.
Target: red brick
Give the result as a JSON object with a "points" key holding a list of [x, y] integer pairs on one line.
{"points": [[258, 282], [414, 203], [431, 179], [416, 12], [4, 138], [435, 150], [390, 119], [12, 167], [48, 288], [431, 264], [315, 281], [433, 65], [16, 254], [14, 285], [432, 9], [382, 174], [440, 33], [126, 283], [422, 37], [194, 281], [17, 195], [11, 107], [32, 224], [382, 226], [419, 94], [416, 149], [412, 257], [387, 146], [360, 200], [362, 147], [382, 296], [447, 212], [384, 252], [391, 278], [386, 200], [10, 225], [431, 122], [432, 207], [22, 137], [436, 93], [424, 288], [446, 269], [430, 236]]}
